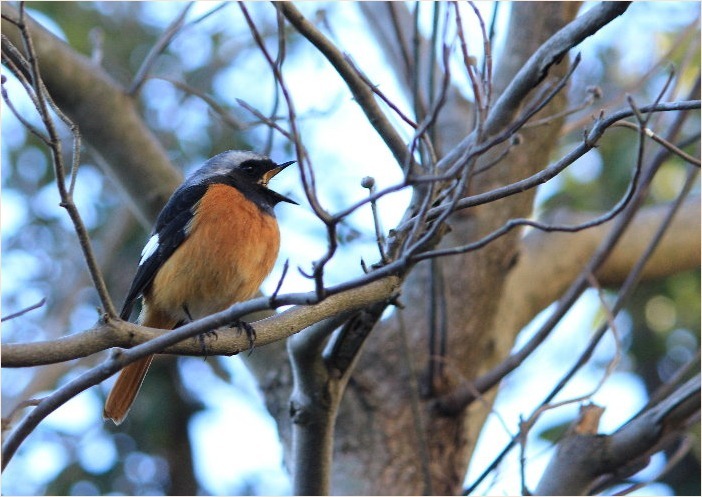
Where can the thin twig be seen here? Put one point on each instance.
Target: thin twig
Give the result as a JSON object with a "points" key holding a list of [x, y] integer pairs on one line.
{"points": [[374, 88], [274, 295], [171, 31], [593, 94], [212, 103], [268, 121], [469, 64], [23, 121], [487, 56], [523, 435], [670, 146], [433, 48], [24, 311], [7, 420], [369, 183]]}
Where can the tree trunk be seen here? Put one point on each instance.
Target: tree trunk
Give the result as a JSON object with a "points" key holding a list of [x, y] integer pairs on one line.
{"points": [[383, 445]]}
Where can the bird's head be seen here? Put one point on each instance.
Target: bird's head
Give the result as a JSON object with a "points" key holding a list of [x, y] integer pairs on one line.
{"points": [[248, 171]]}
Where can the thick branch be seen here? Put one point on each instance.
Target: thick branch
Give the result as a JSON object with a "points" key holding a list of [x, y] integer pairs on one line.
{"points": [[581, 458], [120, 358], [550, 53], [553, 259], [271, 329], [314, 402], [536, 69], [107, 117]]}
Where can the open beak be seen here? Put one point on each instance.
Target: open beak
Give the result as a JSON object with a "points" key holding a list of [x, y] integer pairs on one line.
{"points": [[272, 172]]}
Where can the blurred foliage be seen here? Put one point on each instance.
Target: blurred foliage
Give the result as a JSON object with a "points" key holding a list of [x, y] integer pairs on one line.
{"points": [[152, 452]]}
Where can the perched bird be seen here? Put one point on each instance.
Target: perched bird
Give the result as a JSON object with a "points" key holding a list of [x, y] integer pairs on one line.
{"points": [[213, 244]]}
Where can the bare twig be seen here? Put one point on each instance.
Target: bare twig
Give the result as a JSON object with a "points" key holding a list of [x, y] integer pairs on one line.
{"points": [[24, 311], [268, 121], [369, 183], [274, 295], [522, 437], [227, 117], [374, 88], [479, 90], [670, 146], [7, 420], [171, 31], [487, 55], [29, 91], [593, 94]]}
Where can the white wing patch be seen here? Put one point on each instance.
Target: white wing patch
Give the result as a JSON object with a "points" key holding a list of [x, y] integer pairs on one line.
{"points": [[149, 249]]}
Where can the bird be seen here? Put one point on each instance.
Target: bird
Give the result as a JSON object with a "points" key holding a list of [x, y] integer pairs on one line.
{"points": [[213, 244]]}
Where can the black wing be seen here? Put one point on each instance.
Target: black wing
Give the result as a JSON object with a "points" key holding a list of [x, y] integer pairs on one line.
{"points": [[171, 229]]}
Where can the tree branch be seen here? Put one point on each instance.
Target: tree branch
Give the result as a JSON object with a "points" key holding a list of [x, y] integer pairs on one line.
{"points": [[535, 70], [582, 458], [120, 358], [314, 402], [113, 333]]}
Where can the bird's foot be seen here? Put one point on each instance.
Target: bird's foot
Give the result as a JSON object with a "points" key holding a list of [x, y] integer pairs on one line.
{"points": [[203, 343], [243, 326]]}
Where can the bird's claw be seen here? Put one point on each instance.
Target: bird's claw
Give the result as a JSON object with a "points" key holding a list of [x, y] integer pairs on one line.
{"points": [[250, 333], [203, 344]]}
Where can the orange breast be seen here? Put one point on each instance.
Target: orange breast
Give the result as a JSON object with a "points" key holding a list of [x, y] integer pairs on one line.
{"points": [[231, 248]]}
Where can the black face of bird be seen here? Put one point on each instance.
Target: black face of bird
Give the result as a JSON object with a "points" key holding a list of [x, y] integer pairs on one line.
{"points": [[242, 168], [260, 172]]}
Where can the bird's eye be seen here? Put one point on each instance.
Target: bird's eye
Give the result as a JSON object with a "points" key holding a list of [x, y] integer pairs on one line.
{"points": [[247, 168]]}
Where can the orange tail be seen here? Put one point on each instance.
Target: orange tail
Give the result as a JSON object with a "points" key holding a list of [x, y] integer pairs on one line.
{"points": [[125, 390], [130, 378]]}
